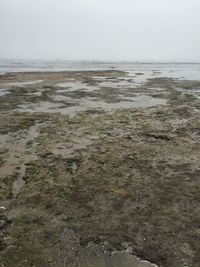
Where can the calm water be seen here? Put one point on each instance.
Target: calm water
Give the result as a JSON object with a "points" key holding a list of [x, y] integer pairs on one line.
{"points": [[175, 70]]}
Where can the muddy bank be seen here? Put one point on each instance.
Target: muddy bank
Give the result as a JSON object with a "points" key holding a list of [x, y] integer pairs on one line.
{"points": [[98, 169]]}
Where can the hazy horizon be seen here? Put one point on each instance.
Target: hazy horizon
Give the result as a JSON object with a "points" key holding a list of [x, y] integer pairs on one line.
{"points": [[104, 61], [94, 30]]}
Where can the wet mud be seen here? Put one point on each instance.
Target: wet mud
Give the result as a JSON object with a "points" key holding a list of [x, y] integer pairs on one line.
{"points": [[99, 169]]}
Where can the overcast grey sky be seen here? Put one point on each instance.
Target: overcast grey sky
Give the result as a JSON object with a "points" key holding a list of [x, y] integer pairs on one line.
{"points": [[100, 29]]}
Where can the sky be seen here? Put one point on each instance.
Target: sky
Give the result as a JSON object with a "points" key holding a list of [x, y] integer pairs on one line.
{"points": [[141, 30]]}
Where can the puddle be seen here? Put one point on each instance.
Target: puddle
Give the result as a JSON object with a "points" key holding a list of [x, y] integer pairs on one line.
{"points": [[193, 92], [19, 183], [63, 98], [75, 86], [25, 83], [118, 259], [117, 83], [36, 93], [4, 92], [43, 106], [140, 101], [93, 257], [101, 78], [189, 91], [109, 95], [84, 104], [156, 89]]}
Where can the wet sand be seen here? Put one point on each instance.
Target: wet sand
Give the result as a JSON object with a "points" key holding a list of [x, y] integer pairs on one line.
{"points": [[99, 169]]}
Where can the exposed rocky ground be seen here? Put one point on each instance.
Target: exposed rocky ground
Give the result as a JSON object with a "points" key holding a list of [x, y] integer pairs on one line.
{"points": [[93, 163]]}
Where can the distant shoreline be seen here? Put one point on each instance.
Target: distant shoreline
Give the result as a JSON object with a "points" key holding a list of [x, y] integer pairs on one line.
{"points": [[178, 70]]}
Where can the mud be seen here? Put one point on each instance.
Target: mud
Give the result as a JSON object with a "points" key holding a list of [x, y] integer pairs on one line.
{"points": [[99, 168], [92, 256]]}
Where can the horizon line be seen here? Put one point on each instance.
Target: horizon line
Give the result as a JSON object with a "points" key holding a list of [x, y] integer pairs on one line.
{"points": [[162, 61]]}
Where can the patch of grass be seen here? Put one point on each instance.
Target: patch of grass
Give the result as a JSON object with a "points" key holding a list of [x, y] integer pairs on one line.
{"points": [[32, 171], [99, 129], [2, 161], [54, 171], [3, 193], [17, 122], [160, 113], [146, 126], [64, 194], [99, 118], [29, 143]]}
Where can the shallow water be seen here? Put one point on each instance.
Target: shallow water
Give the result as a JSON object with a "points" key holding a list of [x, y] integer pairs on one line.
{"points": [[43, 106], [103, 93], [85, 104], [36, 93], [190, 71], [73, 97], [193, 92], [19, 183], [3, 92], [25, 83], [74, 86], [93, 256], [118, 259]]}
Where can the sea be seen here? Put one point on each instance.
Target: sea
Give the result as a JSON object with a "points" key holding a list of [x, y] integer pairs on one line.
{"points": [[186, 71]]}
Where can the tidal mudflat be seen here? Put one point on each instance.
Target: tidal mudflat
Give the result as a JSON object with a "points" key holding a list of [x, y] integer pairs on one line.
{"points": [[99, 169]]}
